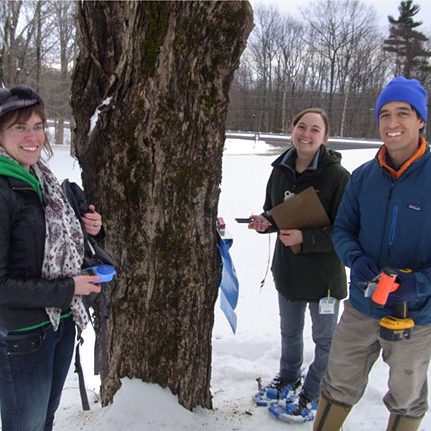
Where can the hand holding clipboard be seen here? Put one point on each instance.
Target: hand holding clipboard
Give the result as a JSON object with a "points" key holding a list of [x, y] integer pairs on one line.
{"points": [[302, 211]]}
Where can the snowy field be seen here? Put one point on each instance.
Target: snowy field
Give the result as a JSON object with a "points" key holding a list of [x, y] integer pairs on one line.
{"points": [[237, 359]]}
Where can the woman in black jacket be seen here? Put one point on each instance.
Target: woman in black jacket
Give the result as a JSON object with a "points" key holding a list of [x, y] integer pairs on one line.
{"points": [[309, 275], [41, 252]]}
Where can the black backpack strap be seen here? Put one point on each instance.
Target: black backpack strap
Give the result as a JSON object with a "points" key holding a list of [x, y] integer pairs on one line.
{"points": [[101, 365], [79, 371], [76, 197], [71, 197]]}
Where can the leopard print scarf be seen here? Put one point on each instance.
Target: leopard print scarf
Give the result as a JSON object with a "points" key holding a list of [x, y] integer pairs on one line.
{"points": [[64, 242]]}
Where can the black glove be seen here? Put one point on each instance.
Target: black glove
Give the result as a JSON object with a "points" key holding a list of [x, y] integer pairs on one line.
{"points": [[407, 290], [364, 269]]}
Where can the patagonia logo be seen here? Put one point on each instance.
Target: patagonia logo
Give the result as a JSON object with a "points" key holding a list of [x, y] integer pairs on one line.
{"points": [[414, 207]]}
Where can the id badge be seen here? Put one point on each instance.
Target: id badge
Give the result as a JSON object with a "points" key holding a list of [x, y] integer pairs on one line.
{"points": [[327, 305]]}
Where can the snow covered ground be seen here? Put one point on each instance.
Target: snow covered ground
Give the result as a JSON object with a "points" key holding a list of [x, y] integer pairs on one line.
{"points": [[237, 359]]}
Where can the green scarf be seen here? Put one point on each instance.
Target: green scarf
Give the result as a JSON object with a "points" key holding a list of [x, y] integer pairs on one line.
{"points": [[11, 168]]}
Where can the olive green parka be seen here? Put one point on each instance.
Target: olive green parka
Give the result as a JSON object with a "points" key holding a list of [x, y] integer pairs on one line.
{"points": [[316, 270]]}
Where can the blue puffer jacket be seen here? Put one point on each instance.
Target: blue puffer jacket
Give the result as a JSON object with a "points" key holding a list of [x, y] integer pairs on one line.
{"points": [[388, 220]]}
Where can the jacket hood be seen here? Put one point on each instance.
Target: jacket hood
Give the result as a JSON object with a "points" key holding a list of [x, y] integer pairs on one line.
{"points": [[11, 168]]}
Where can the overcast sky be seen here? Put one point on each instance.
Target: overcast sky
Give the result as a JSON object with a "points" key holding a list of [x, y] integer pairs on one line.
{"points": [[383, 9]]}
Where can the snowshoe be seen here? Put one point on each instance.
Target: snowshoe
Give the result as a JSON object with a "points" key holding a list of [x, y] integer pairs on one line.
{"points": [[299, 410], [276, 390]]}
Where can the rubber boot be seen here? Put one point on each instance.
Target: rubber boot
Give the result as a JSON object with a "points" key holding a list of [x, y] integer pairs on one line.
{"points": [[330, 415], [403, 423]]}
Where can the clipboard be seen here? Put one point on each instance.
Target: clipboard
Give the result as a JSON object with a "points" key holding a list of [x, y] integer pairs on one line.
{"points": [[302, 211]]}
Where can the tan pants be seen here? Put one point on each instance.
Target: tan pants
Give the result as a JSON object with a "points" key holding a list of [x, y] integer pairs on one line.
{"points": [[355, 348]]}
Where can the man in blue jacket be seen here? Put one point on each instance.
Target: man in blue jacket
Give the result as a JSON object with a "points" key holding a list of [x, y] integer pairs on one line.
{"points": [[384, 221]]}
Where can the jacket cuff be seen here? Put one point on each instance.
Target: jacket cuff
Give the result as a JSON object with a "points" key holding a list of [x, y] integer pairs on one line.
{"points": [[69, 293], [352, 257]]}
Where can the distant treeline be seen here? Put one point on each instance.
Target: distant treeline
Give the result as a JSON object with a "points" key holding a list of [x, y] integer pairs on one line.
{"points": [[335, 57]]}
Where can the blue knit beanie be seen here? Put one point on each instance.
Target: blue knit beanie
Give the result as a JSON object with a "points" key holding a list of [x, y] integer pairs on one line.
{"points": [[405, 90]]}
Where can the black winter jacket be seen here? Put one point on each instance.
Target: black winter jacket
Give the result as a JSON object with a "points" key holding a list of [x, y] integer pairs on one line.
{"points": [[308, 275], [23, 293]]}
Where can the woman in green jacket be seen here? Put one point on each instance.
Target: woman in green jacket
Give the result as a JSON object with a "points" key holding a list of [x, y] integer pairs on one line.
{"points": [[307, 276], [41, 254]]}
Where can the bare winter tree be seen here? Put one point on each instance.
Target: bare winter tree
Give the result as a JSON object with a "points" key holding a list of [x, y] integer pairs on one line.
{"points": [[9, 52], [36, 49], [362, 41], [338, 26], [330, 59], [290, 61], [149, 96], [20, 55], [3, 20], [38, 45], [64, 25], [263, 50]]}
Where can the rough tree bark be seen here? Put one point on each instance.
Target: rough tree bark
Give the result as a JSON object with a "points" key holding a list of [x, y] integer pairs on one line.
{"points": [[158, 75]]}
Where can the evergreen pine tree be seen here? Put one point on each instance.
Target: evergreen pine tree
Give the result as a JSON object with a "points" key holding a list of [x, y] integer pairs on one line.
{"points": [[407, 43]]}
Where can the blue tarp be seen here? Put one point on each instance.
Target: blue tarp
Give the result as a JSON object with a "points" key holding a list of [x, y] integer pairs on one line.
{"points": [[229, 286]]}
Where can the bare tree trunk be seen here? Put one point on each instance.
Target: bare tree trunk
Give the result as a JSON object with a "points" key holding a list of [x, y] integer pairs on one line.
{"points": [[160, 73], [64, 23], [343, 112], [10, 59], [38, 46], [59, 131]]}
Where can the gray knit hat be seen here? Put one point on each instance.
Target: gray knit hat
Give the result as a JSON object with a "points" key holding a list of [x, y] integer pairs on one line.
{"points": [[18, 97]]}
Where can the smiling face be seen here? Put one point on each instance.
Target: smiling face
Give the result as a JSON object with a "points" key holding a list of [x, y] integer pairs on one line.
{"points": [[308, 134], [399, 128], [24, 140]]}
